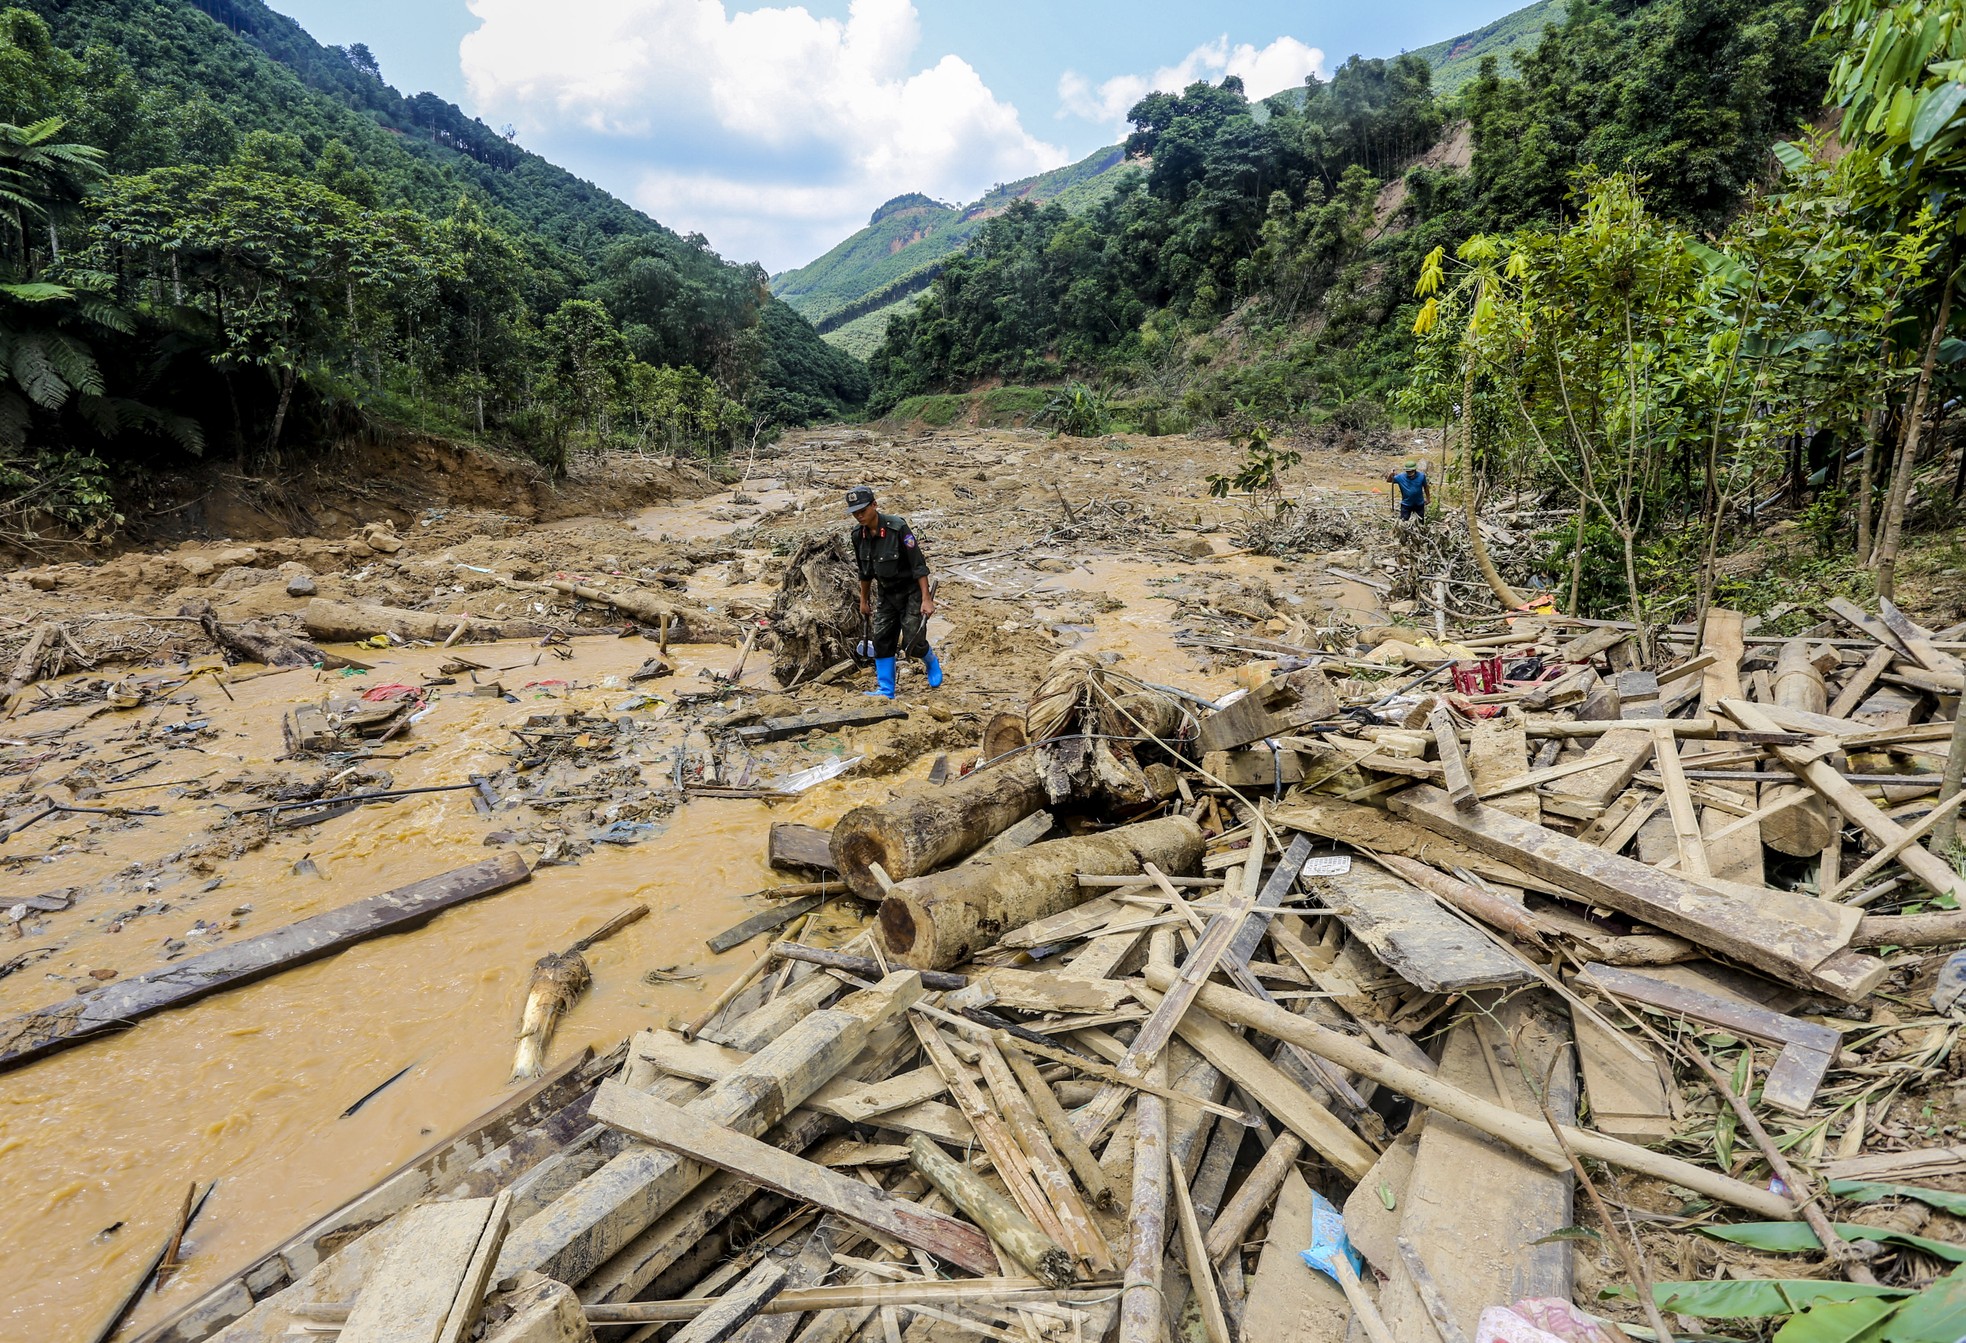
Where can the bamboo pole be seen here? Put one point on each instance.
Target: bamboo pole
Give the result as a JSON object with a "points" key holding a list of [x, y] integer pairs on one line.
{"points": [[1256, 1193], [1140, 1301], [1518, 1131]]}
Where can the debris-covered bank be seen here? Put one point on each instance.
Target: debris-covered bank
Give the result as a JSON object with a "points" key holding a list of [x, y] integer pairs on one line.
{"points": [[1283, 904]]}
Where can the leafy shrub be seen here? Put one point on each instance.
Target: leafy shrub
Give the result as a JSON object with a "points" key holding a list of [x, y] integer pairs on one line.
{"points": [[1076, 411], [1013, 405]]}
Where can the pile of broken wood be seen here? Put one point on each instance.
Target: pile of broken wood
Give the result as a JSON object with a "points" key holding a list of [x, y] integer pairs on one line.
{"points": [[1446, 949]]}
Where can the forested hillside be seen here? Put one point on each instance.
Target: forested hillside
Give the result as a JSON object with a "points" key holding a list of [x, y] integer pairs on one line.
{"points": [[227, 238], [880, 269], [1307, 224]]}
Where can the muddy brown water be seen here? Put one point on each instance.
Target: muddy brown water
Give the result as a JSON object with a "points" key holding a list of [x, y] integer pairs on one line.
{"points": [[247, 1088]]}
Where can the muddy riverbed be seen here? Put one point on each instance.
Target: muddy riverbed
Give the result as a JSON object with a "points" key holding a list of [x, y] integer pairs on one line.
{"points": [[1111, 546]]}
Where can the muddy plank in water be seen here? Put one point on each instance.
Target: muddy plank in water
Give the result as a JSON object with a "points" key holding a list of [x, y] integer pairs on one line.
{"points": [[800, 848], [47, 1029], [777, 729], [764, 923]]}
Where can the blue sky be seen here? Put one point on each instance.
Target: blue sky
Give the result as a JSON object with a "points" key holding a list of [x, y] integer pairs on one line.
{"points": [[775, 130]]}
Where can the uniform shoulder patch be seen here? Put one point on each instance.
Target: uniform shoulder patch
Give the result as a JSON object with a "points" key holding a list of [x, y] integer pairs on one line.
{"points": [[908, 540]]}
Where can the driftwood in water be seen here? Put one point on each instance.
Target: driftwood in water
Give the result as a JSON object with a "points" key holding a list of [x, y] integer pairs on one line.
{"points": [[558, 980], [352, 622], [937, 921], [120, 1004], [917, 832], [255, 643]]}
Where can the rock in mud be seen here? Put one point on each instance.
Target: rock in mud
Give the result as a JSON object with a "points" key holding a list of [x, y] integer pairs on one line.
{"points": [[301, 585]]}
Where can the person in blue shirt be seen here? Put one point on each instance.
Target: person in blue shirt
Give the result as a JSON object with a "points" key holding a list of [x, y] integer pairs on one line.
{"points": [[1411, 482]]}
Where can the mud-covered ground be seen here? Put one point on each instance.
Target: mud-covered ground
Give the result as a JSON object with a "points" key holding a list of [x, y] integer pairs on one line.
{"points": [[1039, 545]]}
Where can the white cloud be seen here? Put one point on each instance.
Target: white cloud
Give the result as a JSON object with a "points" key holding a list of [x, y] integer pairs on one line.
{"points": [[1264, 71], [772, 132]]}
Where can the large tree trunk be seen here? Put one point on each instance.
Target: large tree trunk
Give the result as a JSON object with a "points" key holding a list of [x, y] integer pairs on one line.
{"points": [[916, 833], [1803, 830], [1891, 535], [352, 622], [937, 921]]}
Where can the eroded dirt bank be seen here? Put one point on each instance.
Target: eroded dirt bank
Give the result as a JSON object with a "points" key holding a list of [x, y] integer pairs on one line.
{"points": [[1113, 546]]}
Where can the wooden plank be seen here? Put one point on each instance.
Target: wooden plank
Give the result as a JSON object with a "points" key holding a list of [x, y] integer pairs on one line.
{"points": [[126, 1001], [1454, 766], [580, 1230], [1932, 871], [1289, 1301], [1807, 1050], [1498, 753], [1254, 767], [777, 729], [1071, 925], [1859, 684], [763, 922], [800, 848], [1865, 623], [1679, 807], [904, 1099], [470, 1299], [1629, 1099], [1271, 709], [1408, 930], [1738, 856], [734, 1308], [674, 1129], [1020, 836], [1286, 1102], [1783, 933], [1478, 1204], [1921, 1163], [1046, 991], [409, 1293]]}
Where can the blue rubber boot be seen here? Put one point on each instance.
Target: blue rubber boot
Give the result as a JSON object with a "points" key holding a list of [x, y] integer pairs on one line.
{"points": [[883, 678], [934, 665]]}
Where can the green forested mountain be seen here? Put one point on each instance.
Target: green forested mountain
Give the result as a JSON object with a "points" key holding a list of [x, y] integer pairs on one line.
{"points": [[1457, 61], [254, 242], [879, 270], [1301, 217], [851, 293]]}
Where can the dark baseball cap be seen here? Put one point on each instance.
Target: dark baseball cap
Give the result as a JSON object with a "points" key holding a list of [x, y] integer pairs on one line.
{"points": [[858, 498]]}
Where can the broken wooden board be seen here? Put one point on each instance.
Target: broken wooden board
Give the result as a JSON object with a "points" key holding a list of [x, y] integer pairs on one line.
{"points": [[1254, 767], [1735, 856], [1807, 1050], [1922, 1163], [800, 848], [1408, 930], [1474, 1207], [777, 729], [1271, 709], [1782, 933], [1071, 925], [906, 1103], [1048, 991], [674, 1129], [1372, 1209], [123, 1002], [1620, 754], [1629, 1099], [764, 922], [1372, 830], [1289, 1301], [1020, 836], [429, 1284], [1498, 751]]}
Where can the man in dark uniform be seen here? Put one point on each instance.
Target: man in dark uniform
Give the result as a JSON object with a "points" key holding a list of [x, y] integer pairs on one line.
{"points": [[893, 588]]}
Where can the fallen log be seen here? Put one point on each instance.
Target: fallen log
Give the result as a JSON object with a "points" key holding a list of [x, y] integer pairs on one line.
{"points": [[936, 921], [253, 643], [352, 622], [1944, 929], [122, 1003], [917, 832], [1517, 1130], [997, 1215]]}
